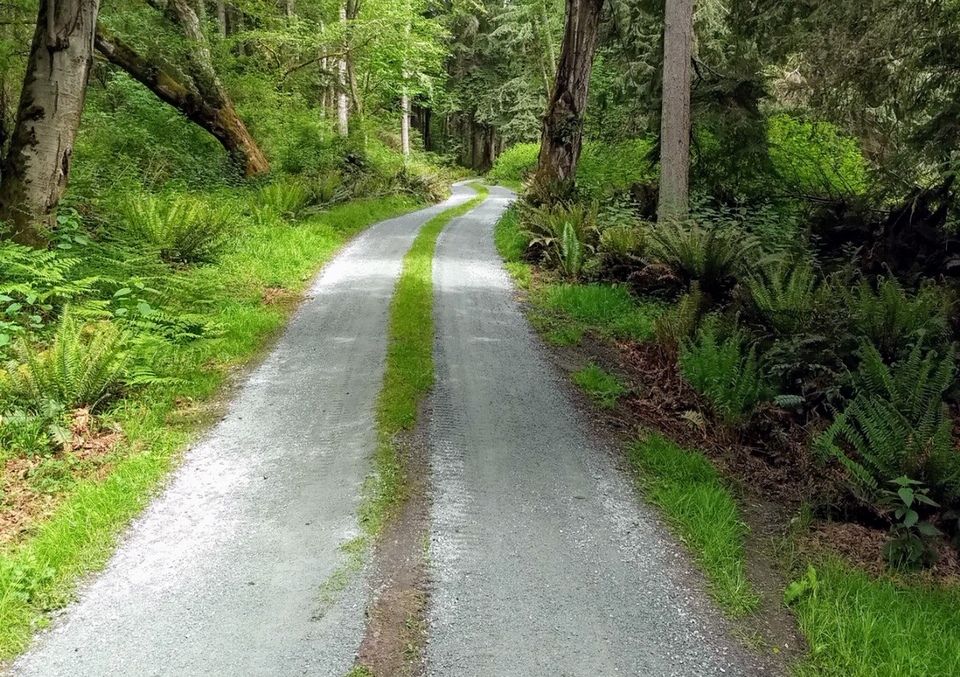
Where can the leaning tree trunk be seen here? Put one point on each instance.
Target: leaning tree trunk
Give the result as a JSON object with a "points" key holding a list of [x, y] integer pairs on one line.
{"points": [[562, 136], [675, 118], [215, 114], [35, 170]]}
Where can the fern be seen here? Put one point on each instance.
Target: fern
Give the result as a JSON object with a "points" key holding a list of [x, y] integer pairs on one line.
{"points": [[729, 378], [83, 366], [562, 235], [782, 296], [892, 319], [283, 199], [181, 228], [34, 284], [712, 256], [681, 322], [897, 425]]}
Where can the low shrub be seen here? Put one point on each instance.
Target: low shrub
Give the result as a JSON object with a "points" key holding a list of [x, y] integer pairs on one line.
{"points": [[514, 165]]}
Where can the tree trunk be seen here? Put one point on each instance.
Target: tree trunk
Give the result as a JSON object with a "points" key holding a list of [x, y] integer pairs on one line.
{"points": [[343, 119], [675, 118], [405, 123], [215, 114], [562, 136], [35, 170], [222, 18]]}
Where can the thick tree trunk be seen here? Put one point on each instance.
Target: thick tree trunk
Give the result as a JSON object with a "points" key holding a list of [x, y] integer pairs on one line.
{"points": [[675, 118], [562, 137], [214, 113], [35, 171]]}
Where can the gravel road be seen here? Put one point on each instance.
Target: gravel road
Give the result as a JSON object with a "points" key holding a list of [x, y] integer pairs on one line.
{"points": [[542, 562], [222, 575]]}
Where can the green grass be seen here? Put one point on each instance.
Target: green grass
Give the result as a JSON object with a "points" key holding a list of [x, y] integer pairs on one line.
{"points": [[609, 309], [39, 574], [687, 488], [511, 244], [859, 626], [605, 388], [409, 369]]}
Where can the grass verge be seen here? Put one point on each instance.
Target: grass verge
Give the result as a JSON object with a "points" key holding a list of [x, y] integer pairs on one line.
{"points": [[603, 387], [860, 626], [38, 574], [687, 488]]}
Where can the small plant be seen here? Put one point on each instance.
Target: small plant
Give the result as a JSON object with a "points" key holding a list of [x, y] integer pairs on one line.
{"points": [[83, 367], [802, 588], [183, 229], [722, 372], [605, 388], [909, 546], [897, 424]]}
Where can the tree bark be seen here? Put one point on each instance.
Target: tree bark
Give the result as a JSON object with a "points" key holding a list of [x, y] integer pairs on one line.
{"points": [[562, 136], [405, 123], [214, 113], [35, 170], [222, 18], [675, 117], [343, 113]]}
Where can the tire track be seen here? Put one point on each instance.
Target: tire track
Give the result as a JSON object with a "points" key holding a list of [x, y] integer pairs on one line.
{"points": [[543, 563]]}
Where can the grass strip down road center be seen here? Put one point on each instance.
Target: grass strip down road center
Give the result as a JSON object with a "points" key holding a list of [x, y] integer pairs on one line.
{"points": [[409, 371]]}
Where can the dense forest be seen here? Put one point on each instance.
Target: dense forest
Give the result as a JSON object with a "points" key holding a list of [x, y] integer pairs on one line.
{"points": [[752, 202]]}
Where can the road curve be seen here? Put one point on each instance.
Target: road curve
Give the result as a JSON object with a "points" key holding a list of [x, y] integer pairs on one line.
{"points": [[542, 562], [222, 575]]}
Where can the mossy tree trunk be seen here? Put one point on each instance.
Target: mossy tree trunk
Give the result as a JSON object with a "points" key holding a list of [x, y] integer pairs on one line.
{"points": [[35, 170], [562, 136]]}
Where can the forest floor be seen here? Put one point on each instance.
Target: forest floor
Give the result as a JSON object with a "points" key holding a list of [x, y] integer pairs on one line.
{"points": [[540, 558]]}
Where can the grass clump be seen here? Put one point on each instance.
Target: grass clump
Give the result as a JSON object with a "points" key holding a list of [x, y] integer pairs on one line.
{"points": [[605, 388], [686, 486], [609, 309], [860, 626]]}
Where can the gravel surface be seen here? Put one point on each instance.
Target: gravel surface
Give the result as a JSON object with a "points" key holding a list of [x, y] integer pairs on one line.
{"points": [[542, 562], [222, 575]]}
